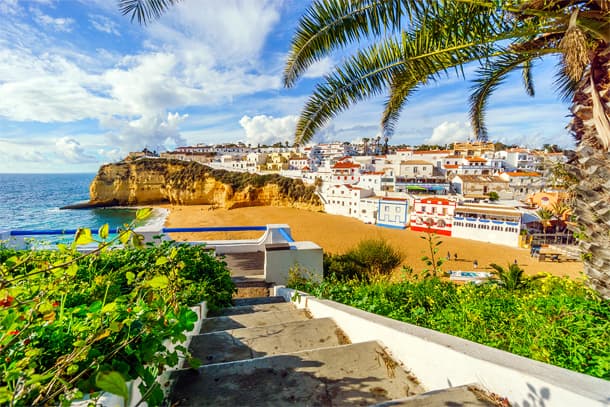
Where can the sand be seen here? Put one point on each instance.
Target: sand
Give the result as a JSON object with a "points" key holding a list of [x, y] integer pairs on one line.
{"points": [[336, 234]]}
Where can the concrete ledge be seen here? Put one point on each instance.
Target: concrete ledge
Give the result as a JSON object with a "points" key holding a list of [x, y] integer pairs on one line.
{"points": [[440, 360]]}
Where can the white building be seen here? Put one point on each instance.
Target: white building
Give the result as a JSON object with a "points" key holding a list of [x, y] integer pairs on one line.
{"points": [[434, 214], [415, 169], [487, 223], [393, 212], [344, 199]]}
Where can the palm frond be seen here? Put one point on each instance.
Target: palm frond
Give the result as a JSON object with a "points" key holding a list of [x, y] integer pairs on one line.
{"points": [[145, 11], [489, 77], [565, 86], [364, 75], [329, 25], [528, 81]]}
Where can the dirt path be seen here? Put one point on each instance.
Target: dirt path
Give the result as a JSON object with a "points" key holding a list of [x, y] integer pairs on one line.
{"points": [[336, 234]]}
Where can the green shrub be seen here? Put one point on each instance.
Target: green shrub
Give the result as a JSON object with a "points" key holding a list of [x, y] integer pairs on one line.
{"points": [[377, 257], [72, 322], [551, 319]]}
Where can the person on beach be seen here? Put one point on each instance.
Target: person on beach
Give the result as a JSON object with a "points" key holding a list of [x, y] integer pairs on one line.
{"points": [[455, 256], [475, 264], [448, 256]]}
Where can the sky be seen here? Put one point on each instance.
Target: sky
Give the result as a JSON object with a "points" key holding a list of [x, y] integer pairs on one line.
{"points": [[81, 85]]}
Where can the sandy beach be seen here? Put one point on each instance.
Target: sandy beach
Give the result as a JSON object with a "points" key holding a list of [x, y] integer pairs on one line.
{"points": [[336, 234]]}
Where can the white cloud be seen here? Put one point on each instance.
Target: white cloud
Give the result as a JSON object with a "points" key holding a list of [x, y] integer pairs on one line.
{"points": [[234, 30], [320, 68], [104, 24], [70, 150], [58, 24], [9, 7], [153, 132], [268, 130], [449, 132]]}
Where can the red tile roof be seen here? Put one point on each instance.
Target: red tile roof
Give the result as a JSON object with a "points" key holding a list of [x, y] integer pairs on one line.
{"points": [[346, 165]]}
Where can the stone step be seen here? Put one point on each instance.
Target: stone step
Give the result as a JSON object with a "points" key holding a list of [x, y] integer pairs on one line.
{"points": [[249, 309], [257, 300], [356, 374], [248, 343], [253, 320], [453, 396]]}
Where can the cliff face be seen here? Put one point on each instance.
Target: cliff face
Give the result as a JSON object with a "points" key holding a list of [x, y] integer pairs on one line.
{"points": [[151, 181]]}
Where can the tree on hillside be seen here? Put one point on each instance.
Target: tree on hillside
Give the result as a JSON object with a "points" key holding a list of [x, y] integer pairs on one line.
{"points": [[409, 43]]}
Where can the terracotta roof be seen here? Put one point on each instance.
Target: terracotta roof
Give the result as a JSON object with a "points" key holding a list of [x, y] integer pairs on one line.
{"points": [[389, 198], [373, 173], [451, 166], [477, 159], [346, 165], [416, 162]]}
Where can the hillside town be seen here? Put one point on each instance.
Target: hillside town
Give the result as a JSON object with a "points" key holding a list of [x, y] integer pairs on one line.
{"points": [[472, 190]]}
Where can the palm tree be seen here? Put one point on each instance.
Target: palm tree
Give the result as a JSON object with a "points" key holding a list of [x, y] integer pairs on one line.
{"points": [[560, 210], [545, 216], [409, 43], [366, 140], [511, 278], [413, 42]]}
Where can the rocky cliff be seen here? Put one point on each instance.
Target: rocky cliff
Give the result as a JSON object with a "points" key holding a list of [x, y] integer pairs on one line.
{"points": [[152, 181]]}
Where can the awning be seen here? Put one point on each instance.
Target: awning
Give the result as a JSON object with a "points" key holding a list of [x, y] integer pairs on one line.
{"points": [[415, 188]]}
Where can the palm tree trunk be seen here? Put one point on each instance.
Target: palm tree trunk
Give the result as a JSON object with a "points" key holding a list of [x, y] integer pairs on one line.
{"points": [[592, 167]]}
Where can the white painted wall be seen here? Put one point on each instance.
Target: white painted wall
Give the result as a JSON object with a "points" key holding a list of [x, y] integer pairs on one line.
{"points": [[439, 360]]}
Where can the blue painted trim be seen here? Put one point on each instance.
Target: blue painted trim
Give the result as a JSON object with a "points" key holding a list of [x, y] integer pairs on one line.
{"points": [[52, 232], [286, 235], [471, 219], [484, 220], [512, 223], [458, 218], [385, 225], [497, 222], [215, 229]]}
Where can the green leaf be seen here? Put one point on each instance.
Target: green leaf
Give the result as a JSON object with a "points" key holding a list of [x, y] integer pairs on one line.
{"points": [[158, 282], [71, 270], [125, 236], [113, 382], [83, 236], [130, 277], [161, 261], [136, 240], [110, 307], [143, 213], [103, 231]]}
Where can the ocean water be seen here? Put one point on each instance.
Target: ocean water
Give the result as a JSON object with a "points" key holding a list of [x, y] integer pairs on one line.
{"points": [[32, 201]]}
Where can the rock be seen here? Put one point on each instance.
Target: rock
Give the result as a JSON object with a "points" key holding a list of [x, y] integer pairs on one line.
{"points": [[154, 181]]}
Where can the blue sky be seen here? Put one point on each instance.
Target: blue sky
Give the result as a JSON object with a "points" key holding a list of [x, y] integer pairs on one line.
{"points": [[80, 85]]}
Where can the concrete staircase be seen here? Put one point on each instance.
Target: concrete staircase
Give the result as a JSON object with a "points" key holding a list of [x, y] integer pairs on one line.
{"points": [[265, 352]]}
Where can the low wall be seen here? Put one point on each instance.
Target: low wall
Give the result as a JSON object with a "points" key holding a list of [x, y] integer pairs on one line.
{"points": [[439, 360]]}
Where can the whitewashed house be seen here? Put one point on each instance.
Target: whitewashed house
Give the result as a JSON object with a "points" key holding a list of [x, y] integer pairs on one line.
{"points": [[345, 172], [393, 212], [433, 214], [487, 223], [479, 186], [415, 169], [344, 199]]}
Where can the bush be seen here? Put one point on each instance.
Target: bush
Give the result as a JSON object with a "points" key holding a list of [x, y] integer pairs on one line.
{"points": [[553, 320], [369, 259], [376, 257], [73, 323]]}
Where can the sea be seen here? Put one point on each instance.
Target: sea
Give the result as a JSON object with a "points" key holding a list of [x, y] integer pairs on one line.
{"points": [[32, 202]]}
